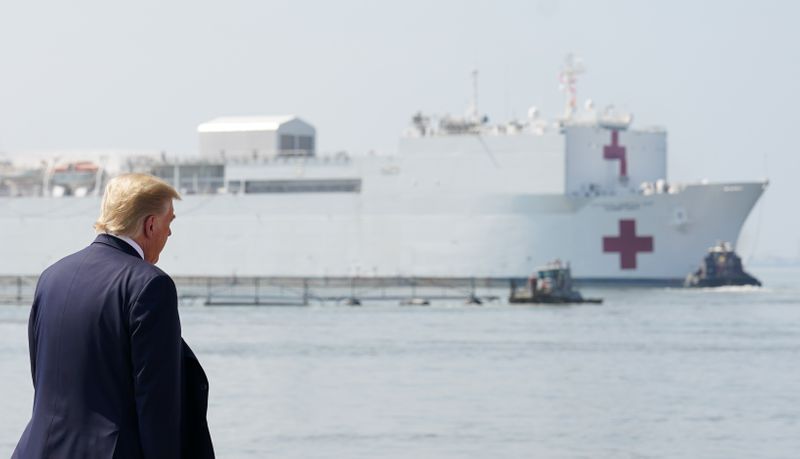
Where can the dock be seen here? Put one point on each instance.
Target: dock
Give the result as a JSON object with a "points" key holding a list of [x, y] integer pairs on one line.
{"points": [[304, 291]]}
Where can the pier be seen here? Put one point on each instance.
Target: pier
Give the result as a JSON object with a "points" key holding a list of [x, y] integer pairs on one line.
{"points": [[303, 291]]}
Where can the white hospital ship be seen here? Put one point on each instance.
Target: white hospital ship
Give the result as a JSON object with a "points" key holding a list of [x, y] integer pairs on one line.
{"points": [[462, 198]]}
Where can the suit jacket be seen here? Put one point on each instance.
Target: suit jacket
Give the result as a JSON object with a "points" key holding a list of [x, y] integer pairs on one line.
{"points": [[111, 374]]}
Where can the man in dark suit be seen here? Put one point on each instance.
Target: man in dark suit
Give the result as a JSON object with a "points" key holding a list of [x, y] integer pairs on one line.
{"points": [[112, 376]]}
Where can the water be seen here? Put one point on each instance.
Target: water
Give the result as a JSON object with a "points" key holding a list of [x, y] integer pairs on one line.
{"points": [[650, 373]]}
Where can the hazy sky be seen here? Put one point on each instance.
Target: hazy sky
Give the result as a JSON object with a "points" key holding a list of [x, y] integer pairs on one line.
{"points": [[723, 77]]}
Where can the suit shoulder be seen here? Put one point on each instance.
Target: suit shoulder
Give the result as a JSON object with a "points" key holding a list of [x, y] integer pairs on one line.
{"points": [[149, 270], [68, 262], [108, 259], [142, 268], [152, 276]]}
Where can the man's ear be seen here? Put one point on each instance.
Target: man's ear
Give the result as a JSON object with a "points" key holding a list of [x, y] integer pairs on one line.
{"points": [[149, 225]]}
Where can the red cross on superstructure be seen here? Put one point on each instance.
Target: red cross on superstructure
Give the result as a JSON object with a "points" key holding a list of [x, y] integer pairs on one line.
{"points": [[628, 244], [616, 151]]}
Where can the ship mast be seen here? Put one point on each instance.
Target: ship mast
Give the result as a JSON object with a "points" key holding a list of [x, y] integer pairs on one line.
{"points": [[573, 66], [473, 106]]}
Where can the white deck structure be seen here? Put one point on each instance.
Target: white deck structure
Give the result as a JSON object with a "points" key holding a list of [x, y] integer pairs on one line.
{"points": [[254, 137]]}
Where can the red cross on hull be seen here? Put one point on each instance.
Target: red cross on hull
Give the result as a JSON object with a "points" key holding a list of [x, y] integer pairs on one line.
{"points": [[628, 244], [617, 151]]}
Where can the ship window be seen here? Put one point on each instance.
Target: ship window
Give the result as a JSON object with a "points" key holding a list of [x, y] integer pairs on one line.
{"points": [[199, 178], [303, 186], [288, 142], [305, 143]]}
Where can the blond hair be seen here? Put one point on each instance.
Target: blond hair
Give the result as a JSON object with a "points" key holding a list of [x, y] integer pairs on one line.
{"points": [[129, 199]]}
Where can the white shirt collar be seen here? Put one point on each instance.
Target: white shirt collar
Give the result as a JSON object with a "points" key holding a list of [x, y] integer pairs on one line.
{"points": [[130, 242]]}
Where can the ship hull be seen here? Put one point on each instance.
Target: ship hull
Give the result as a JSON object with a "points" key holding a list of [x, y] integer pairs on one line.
{"points": [[633, 238]]}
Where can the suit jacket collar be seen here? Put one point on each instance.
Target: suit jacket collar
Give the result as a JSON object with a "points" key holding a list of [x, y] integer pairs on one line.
{"points": [[117, 243]]}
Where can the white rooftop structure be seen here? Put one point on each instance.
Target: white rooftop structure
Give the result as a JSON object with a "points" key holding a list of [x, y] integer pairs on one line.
{"points": [[245, 123], [255, 137]]}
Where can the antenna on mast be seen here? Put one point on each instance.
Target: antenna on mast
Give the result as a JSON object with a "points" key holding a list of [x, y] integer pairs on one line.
{"points": [[573, 66], [473, 106]]}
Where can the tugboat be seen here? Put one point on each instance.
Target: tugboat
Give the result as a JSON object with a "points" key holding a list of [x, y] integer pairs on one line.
{"points": [[552, 284], [721, 267]]}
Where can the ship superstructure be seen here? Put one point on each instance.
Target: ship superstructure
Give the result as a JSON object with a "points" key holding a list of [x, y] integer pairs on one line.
{"points": [[462, 198]]}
